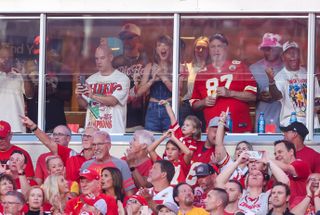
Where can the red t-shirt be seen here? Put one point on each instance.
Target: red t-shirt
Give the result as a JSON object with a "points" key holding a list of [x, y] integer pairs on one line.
{"points": [[75, 206], [188, 141], [41, 167], [5, 156], [72, 162], [311, 157], [298, 183], [201, 155], [235, 76]]}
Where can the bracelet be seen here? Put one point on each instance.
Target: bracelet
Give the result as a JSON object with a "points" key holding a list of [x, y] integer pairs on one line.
{"points": [[34, 129], [166, 103]]}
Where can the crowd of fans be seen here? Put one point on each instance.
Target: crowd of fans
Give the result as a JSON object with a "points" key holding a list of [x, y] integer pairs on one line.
{"points": [[191, 176]]}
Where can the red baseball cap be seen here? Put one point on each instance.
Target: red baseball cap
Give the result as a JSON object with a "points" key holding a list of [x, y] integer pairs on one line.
{"points": [[89, 174], [5, 129]]}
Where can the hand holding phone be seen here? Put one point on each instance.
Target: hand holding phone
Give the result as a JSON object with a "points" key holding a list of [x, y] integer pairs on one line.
{"points": [[256, 155]]}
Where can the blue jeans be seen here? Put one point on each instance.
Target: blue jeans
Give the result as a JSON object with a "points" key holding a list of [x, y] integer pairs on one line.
{"points": [[157, 118]]}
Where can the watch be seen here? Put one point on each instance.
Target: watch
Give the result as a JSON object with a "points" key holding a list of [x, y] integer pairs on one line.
{"points": [[132, 169]]}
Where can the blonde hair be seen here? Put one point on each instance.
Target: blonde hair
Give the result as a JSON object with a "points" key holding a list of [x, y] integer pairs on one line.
{"points": [[51, 187], [50, 158]]}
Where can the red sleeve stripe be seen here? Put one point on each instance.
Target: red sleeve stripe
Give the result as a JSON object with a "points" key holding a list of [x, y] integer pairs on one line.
{"points": [[250, 88], [192, 101], [224, 161]]}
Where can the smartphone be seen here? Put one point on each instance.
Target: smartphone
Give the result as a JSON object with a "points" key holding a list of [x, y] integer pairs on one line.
{"points": [[82, 80], [256, 155]]}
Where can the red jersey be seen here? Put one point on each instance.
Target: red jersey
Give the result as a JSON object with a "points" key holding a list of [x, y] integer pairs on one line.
{"points": [[311, 157], [75, 206], [201, 155], [41, 167], [188, 141], [234, 76], [30, 181], [72, 162], [5, 156], [199, 197], [298, 183]]}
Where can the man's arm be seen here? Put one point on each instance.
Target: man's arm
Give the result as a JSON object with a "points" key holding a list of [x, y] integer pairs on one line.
{"points": [[42, 136], [220, 150], [273, 90], [209, 101]]}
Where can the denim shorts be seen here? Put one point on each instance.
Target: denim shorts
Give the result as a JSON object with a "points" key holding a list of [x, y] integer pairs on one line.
{"points": [[157, 118]]}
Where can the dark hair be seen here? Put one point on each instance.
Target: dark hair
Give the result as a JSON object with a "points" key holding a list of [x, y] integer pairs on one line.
{"points": [[21, 153], [220, 37], [289, 145], [18, 195], [167, 167], [117, 182], [197, 125], [173, 143], [7, 177], [166, 40], [175, 191], [237, 183], [223, 196], [286, 187]]}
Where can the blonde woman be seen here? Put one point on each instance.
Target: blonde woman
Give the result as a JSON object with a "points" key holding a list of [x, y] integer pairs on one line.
{"points": [[56, 190]]}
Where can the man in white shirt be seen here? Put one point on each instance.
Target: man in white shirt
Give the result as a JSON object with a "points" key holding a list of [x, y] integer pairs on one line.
{"points": [[105, 94]]}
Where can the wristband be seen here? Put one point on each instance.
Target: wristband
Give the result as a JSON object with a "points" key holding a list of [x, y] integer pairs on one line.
{"points": [[34, 129]]}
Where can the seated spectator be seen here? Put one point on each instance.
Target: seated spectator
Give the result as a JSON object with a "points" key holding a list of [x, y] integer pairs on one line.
{"points": [[61, 135], [55, 167], [296, 133], [14, 84], [91, 200], [13, 203], [289, 86], [112, 183], [6, 148], [136, 205], [205, 150], [101, 146], [70, 158], [253, 199], [234, 190], [223, 84], [160, 177], [216, 201], [279, 198], [184, 197], [297, 170], [189, 71], [223, 159], [310, 203], [7, 184], [206, 176], [157, 80], [17, 167], [56, 190], [35, 200], [137, 157], [105, 94], [176, 152], [167, 208], [272, 50]]}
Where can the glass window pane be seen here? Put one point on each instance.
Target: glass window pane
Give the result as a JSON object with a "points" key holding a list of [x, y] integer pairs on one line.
{"points": [[18, 71], [73, 44], [243, 50]]}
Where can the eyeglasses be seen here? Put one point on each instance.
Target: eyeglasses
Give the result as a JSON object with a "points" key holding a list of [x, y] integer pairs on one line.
{"points": [[128, 37], [133, 201], [10, 203], [59, 135], [87, 136]]}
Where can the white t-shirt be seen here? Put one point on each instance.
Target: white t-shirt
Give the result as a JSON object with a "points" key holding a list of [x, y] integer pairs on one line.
{"points": [[108, 118], [12, 101], [257, 206], [293, 86]]}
